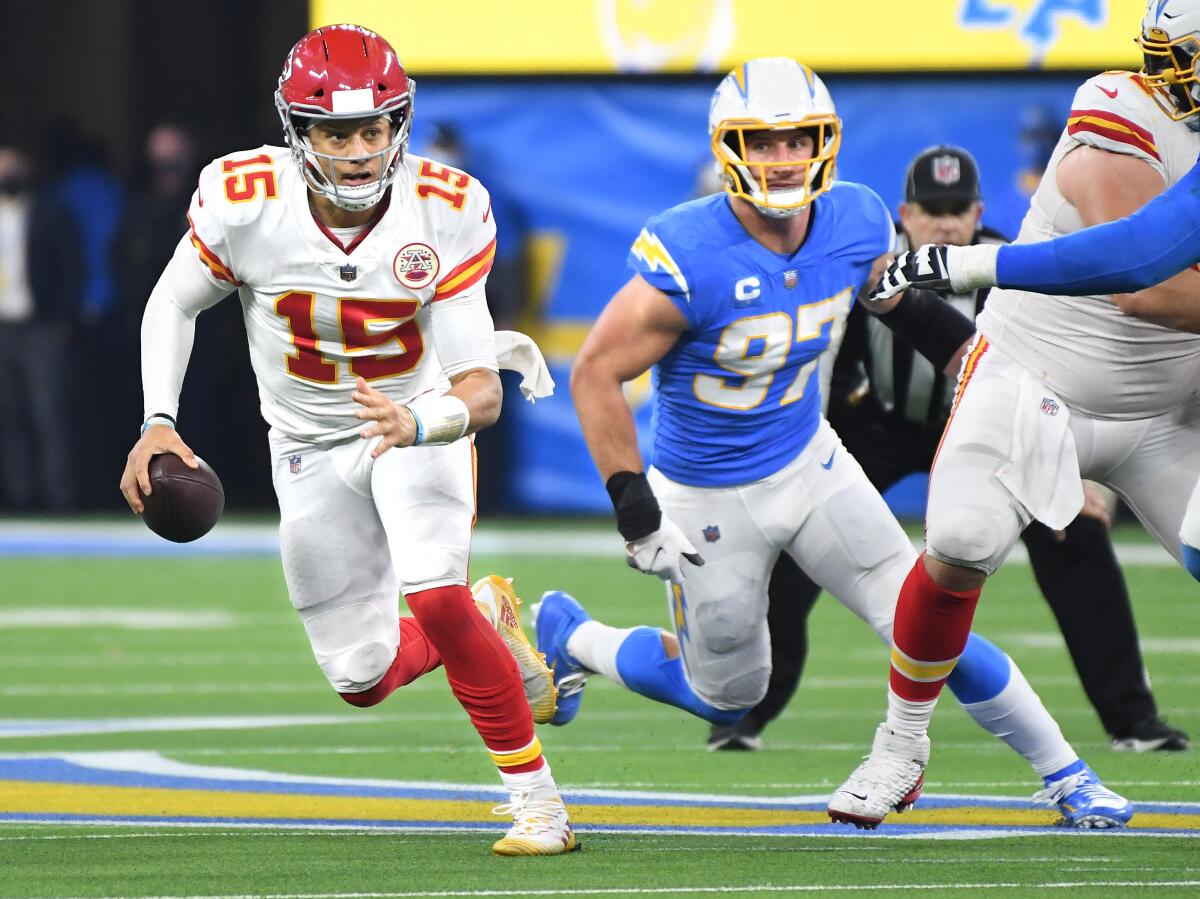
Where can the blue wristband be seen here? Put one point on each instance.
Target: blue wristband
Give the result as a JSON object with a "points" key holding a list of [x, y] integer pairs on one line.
{"points": [[419, 439], [158, 418]]}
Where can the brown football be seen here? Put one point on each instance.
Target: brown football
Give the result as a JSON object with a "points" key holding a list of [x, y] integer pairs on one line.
{"points": [[184, 503]]}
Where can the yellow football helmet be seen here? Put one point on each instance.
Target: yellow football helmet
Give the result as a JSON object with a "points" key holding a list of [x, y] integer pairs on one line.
{"points": [[1170, 42]]}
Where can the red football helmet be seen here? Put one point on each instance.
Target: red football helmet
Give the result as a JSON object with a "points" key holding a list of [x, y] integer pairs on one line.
{"points": [[344, 72]]}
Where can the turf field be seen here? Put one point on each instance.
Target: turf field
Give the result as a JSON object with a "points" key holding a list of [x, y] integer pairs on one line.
{"points": [[164, 732]]}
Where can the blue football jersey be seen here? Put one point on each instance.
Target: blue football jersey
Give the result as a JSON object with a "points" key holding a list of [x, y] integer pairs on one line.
{"points": [[738, 396]]}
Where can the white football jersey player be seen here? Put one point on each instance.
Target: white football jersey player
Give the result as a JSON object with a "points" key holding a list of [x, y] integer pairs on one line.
{"points": [[1101, 361], [361, 274], [322, 308]]}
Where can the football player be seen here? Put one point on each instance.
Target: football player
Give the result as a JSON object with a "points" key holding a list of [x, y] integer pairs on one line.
{"points": [[734, 300], [360, 269], [1055, 386]]}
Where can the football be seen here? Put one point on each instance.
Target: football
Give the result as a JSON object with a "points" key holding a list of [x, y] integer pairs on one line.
{"points": [[184, 503]]}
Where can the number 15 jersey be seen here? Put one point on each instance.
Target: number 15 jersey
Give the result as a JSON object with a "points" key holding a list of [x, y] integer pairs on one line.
{"points": [[321, 311], [737, 397]]}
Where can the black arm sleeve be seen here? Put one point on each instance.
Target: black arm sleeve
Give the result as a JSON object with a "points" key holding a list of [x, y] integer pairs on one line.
{"points": [[934, 327]]}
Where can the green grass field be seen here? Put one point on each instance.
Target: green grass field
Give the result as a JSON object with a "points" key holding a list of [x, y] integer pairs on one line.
{"points": [[197, 668]]}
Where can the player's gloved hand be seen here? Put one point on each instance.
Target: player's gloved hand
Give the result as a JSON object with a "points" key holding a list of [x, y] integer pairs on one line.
{"points": [[662, 552], [941, 268], [655, 544]]}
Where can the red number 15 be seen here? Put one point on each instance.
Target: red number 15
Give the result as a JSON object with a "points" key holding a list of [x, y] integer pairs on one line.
{"points": [[354, 319]]}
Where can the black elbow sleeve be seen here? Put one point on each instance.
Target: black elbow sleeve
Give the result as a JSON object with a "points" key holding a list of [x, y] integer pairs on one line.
{"points": [[934, 327]]}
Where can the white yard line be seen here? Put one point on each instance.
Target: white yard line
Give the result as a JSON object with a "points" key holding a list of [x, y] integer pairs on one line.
{"points": [[38, 727], [691, 891]]}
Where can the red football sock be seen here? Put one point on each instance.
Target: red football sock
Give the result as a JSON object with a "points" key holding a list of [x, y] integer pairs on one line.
{"points": [[415, 656], [482, 673], [930, 631]]}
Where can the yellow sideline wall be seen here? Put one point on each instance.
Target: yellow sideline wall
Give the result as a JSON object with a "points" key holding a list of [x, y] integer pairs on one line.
{"points": [[614, 36]]}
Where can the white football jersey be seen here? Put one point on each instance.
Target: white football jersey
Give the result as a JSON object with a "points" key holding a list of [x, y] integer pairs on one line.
{"points": [[1085, 349], [319, 312]]}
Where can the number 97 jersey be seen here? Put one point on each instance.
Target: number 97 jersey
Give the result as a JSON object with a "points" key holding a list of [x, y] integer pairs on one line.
{"points": [[324, 306], [737, 397]]}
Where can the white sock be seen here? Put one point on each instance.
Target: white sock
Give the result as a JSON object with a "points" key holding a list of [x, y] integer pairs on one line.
{"points": [[1018, 717], [539, 784], [595, 645], [907, 716]]}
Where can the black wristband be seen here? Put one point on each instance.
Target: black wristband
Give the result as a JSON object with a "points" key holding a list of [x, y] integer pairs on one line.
{"points": [[638, 514], [934, 327]]}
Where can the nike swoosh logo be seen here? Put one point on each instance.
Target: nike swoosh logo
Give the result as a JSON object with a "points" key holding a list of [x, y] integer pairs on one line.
{"points": [[487, 212], [828, 463], [1112, 95], [855, 795]]}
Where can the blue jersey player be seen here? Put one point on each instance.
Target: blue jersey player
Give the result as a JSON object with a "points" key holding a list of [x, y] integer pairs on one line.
{"points": [[733, 302]]}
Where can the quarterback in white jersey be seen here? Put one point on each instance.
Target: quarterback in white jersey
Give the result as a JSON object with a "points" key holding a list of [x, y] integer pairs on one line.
{"points": [[361, 272], [1058, 387], [326, 305]]}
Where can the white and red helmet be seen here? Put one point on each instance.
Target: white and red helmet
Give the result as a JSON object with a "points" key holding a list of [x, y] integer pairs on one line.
{"points": [[344, 72], [1170, 42]]}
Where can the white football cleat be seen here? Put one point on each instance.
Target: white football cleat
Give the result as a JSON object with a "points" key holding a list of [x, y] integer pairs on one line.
{"points": [[499, 604], [889, 779], [540, 827]]}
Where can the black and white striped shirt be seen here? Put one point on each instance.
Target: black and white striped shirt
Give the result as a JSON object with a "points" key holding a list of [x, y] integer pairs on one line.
{"points": [[883, 375]]}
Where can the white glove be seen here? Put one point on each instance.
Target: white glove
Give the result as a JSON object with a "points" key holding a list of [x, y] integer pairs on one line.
{"points": [[662, 553], [517, 352], [940, 268]]}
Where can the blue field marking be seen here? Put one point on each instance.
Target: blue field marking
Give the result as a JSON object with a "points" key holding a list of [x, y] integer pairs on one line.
{"points": [[92, 539], [133, 771]]}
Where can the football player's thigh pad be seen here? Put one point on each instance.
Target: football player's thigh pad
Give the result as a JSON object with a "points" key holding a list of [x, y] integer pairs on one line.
{"points": [[331, 540], [972, 521], [854, 548], [354, 643], [426, 499], [720, 618], [720, 611], [1159, 479]]}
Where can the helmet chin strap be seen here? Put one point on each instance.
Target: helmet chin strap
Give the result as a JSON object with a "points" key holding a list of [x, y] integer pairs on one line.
{"points": [[777, 213], [357, 198]]}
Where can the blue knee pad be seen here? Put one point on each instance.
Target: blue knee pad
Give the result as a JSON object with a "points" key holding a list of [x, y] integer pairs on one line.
{"points": [[982, 672], [644, 667], [1191, 560]]}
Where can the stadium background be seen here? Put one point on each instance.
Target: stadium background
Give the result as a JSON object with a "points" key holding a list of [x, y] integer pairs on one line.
{"points": [[582, 118], [163, 729]]}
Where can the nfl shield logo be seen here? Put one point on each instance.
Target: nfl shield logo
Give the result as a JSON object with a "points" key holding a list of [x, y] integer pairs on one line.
{"points": [[348, 272], [1049, 406], [712, 533], [294, 464], [946, 169], [791, 278]]}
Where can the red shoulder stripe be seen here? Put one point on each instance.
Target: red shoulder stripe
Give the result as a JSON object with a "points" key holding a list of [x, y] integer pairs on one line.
{"points": [[1114, 127], [211, 259], [467, 274]]}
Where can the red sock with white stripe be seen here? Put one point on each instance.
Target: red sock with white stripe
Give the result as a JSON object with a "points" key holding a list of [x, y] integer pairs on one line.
{"points": [[929, 633], [414, 656], [482, 673]]}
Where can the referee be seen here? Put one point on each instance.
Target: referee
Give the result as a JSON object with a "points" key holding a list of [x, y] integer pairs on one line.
{"points": [[889, 405]]}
